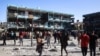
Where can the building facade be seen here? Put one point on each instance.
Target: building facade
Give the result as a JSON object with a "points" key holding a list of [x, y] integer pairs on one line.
{"points": [[3, 25], [92, 22], [21, 18], [78, 26]]}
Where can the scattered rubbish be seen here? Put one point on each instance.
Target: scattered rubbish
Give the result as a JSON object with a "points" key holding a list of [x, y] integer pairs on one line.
{"points": [[98, 54], [71, 44], [16, 49], [53, 50]]}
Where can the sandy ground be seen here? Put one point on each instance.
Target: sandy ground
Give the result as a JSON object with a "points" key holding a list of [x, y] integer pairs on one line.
{"points": [[27, 50]]}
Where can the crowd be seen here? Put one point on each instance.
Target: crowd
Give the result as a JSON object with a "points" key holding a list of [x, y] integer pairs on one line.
{"points": [[85, 39], [60, 36]]}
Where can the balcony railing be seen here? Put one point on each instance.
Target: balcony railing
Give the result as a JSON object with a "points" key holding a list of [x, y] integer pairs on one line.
{"points": [[11, 15], [36, 17], [22, 16]]}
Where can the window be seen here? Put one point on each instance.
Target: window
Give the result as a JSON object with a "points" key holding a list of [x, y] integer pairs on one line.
{"points": [[21, 13]]}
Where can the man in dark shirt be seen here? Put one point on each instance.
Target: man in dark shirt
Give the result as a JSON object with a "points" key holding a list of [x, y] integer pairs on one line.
{"points": [[64, 41], [4, 35], [55, 36], [92, 44]]}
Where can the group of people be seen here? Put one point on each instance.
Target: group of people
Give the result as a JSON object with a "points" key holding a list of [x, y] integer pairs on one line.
{"points": [[85, 39], [61, 36], [12, 35], [88, 39]]}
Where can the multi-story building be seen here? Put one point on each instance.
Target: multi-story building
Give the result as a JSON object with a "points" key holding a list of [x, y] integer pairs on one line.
{"points": [[92, 22], [21, 18], [78, 26], [3, 25]]}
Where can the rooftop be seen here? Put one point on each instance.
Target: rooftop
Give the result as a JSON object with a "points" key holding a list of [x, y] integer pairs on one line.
{"points": [[92, 14], [38, 10]]}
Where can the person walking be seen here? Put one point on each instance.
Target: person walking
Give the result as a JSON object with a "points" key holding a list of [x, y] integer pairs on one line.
{"points": [[64, 41], [84, 43], [48, 39], [13, 36], [4, 35], [55, 36], [58, 36], [40, 43], [78, 37], [21, 38], [92, 44], [37, 36]]}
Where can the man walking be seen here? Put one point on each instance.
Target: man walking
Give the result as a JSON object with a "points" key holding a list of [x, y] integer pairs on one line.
{"points": [[55, 36], [4, 35], [92, 44], [64, 41], [84, 43]]}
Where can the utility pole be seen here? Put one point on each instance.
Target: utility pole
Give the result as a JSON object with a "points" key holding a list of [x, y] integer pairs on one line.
{"points": [[31, 34]]}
